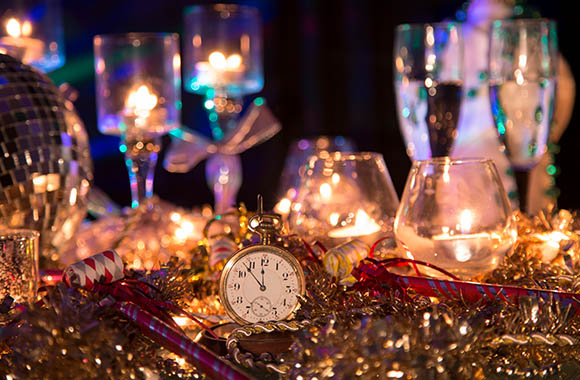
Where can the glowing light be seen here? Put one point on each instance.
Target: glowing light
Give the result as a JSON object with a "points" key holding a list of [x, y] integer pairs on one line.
{"points": [[363, 225], [283, 207], [428, 82], [217, 60], [395, 374], [523, 59], [234, 61], [335, 178], [466, 220], [73, 197], [429, 37], [13, 28], [462, 254], [325, 191], [551, 244], [176, 61], [209, 104], [333, 218], [519, 76], [182, 321], [187, 226], [26, 28], [101, 66], [142, 101], [175, 217], [196, 41]]}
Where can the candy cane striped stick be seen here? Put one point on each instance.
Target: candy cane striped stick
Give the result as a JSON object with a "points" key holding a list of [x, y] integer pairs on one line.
{"points": [[103, 267], [205, 360]]}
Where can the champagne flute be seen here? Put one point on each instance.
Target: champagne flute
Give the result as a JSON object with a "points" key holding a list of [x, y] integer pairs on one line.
{"points": [[428, 70], [522, 78]]}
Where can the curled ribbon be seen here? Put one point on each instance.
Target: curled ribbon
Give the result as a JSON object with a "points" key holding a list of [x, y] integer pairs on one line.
{"points": [[373, 274]]}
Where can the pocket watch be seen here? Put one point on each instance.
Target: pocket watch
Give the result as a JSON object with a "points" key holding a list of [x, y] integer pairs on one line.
{"points": [[260, 282]]}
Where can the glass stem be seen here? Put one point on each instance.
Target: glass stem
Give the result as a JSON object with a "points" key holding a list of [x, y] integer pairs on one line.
{"points": [[223, 113], [223, 172], [522, 182], [141, 158]]}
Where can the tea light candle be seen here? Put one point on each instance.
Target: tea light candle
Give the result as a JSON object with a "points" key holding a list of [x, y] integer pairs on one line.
{"points": [[219, 70], [19, 43], [141, 107], [363, 225]]}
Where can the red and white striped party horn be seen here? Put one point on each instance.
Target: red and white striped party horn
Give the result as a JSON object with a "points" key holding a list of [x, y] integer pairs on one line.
{"points": [[105, 267], [376, 272], [162, 333]]}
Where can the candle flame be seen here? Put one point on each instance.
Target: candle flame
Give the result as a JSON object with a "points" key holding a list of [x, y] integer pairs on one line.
{"points": [[234, 61], [13, 28], [142, 101], [218, 61], [325, 191], [16, 30], [465, 221], [363, 225]]}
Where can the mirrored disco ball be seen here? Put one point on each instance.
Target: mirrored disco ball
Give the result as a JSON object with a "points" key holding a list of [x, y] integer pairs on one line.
{"points": [[45, 163]]}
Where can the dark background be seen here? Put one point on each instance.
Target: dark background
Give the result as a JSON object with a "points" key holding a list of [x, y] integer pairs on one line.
{"points": [[327, 68]]}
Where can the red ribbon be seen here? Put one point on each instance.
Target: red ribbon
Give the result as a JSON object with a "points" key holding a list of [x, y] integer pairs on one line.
{"points": [[373, 274]]}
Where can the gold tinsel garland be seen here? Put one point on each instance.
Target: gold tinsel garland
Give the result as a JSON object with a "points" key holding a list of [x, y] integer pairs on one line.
{"points": [[351, 334]]}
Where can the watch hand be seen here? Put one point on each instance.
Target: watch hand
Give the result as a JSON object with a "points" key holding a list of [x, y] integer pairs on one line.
{"points": [[262, 287], [263, 277]]}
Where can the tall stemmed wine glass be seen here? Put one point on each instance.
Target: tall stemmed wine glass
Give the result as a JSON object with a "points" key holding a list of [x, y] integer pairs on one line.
{"points": [[223, 62], [522, 77], [428, 70], [138, 97]]}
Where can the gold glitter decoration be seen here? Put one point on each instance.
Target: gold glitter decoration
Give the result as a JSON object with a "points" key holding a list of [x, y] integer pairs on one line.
{"points": [[72, 337], [45, 168]]}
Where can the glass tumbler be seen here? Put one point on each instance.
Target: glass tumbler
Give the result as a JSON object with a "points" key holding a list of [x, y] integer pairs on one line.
{"points": [[19, 265], [456, 215]]}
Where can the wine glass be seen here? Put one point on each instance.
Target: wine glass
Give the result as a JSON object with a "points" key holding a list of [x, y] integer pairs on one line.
{"points": [[522, 78], [223, 62], [428, 76], [344, 196], [456, 215], [138, 97], [31, 31]]}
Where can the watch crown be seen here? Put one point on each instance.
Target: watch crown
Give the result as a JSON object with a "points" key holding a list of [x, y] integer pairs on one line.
{"points": [[265, 225]]}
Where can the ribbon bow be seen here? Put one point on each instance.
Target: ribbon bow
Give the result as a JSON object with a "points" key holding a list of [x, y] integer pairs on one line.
{"points": [[223, 169]]}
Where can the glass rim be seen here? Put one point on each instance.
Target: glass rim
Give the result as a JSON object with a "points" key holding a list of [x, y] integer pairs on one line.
{"points": [[348, 156], [18, 233], [214, 8], [420, 25], [435, 161], [134, 35], [531, 21]]}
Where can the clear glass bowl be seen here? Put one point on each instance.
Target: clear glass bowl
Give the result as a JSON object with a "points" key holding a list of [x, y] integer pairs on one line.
{"points": [[344, 196], [455, 214]]}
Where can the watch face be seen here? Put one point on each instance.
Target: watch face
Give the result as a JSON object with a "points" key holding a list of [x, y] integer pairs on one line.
{"points": [[260, 283]]}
